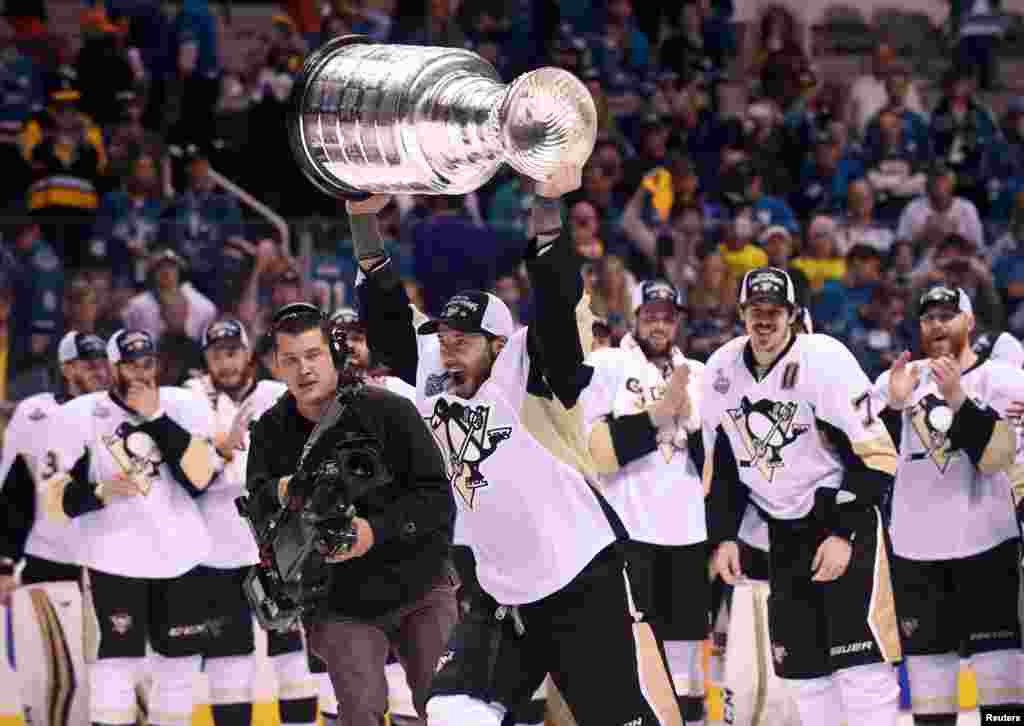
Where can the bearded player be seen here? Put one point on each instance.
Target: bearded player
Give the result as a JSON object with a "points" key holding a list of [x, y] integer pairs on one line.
{"points": [[954, 529], [505, 407], [651, 459]]}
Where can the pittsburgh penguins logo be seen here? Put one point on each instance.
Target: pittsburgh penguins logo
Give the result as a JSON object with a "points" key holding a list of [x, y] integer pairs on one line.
{"points": [[135, 452], [766, 428], [462, 433], [931, 419]]}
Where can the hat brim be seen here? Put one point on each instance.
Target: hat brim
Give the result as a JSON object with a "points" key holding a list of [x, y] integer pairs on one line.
{"points": [[928, 304], [771, 298], [91, 355], [431, 326]]}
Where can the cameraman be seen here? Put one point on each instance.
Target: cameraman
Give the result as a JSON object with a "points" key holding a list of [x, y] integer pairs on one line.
{"points": [[395, 586]]}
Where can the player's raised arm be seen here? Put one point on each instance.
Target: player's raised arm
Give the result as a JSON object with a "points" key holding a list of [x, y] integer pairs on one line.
{"points": [[554, 270], [390, 328]]}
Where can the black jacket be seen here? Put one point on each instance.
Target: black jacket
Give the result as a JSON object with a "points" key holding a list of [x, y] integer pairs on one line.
{"points": [[412, 518]]}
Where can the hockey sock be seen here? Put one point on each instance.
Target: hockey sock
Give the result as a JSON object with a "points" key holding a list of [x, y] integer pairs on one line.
{"points": [[870, 694], [232, 714], [298, 711], [935, 719], [692, 708]]}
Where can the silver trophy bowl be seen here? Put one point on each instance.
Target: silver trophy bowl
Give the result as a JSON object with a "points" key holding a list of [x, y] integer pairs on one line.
{"points": [[369, 118]]}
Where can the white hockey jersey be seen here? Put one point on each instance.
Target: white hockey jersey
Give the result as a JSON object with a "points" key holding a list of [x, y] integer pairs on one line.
{"points": [[30, 433], [795, 428], [529, 515], [158, 535], [943, 506], [232, 543], [660, 496]]}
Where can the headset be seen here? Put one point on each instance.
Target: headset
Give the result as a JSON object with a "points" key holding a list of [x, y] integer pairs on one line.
{"points": [[307, 311]]}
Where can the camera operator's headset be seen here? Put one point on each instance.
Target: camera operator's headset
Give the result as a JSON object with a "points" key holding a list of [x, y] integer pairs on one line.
{"points": [[307, 311]]}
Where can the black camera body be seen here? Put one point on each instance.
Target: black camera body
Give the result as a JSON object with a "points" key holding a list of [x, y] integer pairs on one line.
{"points": [[297, 538]]}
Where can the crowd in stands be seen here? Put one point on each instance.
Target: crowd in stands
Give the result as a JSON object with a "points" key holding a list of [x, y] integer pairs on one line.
{"points": [[865, 189]]}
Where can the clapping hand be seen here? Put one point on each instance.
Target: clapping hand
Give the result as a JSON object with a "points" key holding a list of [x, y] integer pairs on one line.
{"points": [[903, 379]]}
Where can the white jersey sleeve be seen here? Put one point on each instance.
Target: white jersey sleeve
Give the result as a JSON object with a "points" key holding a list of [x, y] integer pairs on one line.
{"points": [[846, 409]]}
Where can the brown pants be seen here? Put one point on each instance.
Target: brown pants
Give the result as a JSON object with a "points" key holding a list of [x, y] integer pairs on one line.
{"points": [[356, 652]]}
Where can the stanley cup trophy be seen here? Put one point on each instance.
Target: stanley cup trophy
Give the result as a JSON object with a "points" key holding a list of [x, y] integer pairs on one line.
{"points": [[400, 119]]}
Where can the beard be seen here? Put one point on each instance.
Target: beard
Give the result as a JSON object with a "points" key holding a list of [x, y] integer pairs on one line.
{"points": [[233, 384], [953, 344], [660, 348]]}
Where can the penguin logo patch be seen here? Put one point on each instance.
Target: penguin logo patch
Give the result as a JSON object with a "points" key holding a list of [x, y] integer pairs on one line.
{"points": [[931, 419], [766, 428], [466, 442]]}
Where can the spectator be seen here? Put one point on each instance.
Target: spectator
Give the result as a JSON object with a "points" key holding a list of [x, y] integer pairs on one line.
{"points": [[737, 250], [767, 210], [701, 43], [859, 227], [103, 68], [962, 131], [778, 245], [507, 289], [599, 189], [170, 305], [954, 262], [900, 267], [245, 265], [452, 253], [712, 308], [585, 227], [198, 225], [1013, 133], [937, 213], [825, 181], [128, 223], [613, 295], [820, 259], [678, 263], [663, 194], [877, 335], [68, 158], [619, 47], [198, 70], [434, 24], [1008, 267], [870, 93], [896, 166], [764, 140], [652, 149], [915, 126], [510, 205], [37, 277], [836, 305], [781, 65], [21, 96], [82, 307], [696, 130], [129, 138], [807, 120], [978, 26]]}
